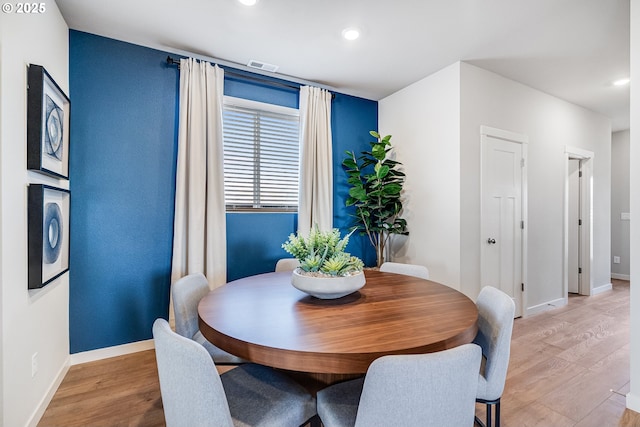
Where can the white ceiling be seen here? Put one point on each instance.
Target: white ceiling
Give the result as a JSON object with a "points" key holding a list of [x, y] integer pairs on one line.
{"points": [[572, 49]]}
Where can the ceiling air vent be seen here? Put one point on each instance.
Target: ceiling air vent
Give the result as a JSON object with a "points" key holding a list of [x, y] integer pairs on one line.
{"points": [[262, 66]]}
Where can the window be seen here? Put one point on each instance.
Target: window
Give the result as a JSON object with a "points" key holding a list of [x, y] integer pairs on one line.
{"points": [[261, 145]]}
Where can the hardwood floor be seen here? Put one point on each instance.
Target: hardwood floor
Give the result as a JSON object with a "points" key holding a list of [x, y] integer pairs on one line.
{"points": [[564, 365], [570, 366]]}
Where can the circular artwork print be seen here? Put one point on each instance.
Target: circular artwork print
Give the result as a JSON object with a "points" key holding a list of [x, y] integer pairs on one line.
{"points": [[52, 239], [53, 129]]}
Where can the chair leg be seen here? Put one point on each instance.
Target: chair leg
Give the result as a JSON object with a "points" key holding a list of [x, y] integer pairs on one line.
{"points": [[314, 422], [490, 404]]}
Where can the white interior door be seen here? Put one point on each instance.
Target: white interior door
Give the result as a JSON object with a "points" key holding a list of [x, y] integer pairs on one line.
{"points": [[501, 217], [574, 227], [580, 246]]}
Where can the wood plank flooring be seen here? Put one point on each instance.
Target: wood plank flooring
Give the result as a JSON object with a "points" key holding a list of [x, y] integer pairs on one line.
{"points": [[564, 364]]}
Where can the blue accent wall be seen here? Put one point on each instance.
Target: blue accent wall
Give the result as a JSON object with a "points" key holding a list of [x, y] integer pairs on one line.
{"points": [[123, 150], [351, 120], [122, 160]]}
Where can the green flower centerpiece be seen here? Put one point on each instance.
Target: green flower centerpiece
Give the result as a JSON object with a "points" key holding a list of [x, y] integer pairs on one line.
{"points": [[326, 271]]}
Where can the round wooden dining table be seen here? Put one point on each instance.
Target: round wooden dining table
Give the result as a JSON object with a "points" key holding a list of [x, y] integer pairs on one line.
{"points": [[264, 319]]}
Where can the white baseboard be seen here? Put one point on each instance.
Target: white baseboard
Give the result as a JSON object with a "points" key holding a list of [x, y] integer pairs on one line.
{"points": [[46, 399], [633, 402], [601, 289], [560, 302], [105, 353], [620, 276]]}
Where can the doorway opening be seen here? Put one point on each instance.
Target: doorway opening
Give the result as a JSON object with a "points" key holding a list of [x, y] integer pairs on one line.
{"points": [[574, 224], [578, 224]]}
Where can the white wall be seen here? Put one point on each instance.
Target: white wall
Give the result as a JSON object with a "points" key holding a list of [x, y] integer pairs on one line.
{"points": [[551, 124], [633, 398], [620, 203], [424, 120], [32, 321], [436, 123]]}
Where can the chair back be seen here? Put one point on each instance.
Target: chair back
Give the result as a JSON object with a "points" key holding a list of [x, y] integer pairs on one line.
{"points": [[414, 270], [429, 390], [287, 264], [191, 389], [187, 293], [495, 324]]}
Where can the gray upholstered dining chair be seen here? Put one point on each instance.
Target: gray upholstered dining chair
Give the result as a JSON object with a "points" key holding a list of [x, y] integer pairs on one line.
{"points": [[194, 394], [407, 269], [287, 264], [495, 324], [187, 293], [427, 390]]}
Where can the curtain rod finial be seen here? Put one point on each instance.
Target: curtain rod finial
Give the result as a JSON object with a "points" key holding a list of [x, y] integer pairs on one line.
{"points": [[171, 61]]}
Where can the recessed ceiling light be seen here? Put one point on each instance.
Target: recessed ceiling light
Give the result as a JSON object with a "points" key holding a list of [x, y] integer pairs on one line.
{"points": [[621, 82], [248, 2], [351, 33]]}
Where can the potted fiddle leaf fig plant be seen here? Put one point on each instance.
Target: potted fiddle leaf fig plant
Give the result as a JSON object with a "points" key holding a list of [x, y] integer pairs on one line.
{"points": [[326, 270], [375, 193]]}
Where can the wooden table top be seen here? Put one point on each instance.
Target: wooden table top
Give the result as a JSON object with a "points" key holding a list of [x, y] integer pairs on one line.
{"points": [[266, 320]]}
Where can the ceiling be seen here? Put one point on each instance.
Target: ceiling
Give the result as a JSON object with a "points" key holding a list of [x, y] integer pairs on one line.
{"points": [[572, 49]]}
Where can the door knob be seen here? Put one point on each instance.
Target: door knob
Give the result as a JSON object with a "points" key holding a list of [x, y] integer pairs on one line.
{"points": [[491, 241]]}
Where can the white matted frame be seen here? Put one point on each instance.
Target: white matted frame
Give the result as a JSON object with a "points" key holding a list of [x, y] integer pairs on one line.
{"points": [[48, 235], [48, 110]]}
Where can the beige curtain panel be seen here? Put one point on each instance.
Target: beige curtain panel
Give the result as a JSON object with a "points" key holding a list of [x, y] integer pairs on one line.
{"points": [[316, 171], [199, 242]]}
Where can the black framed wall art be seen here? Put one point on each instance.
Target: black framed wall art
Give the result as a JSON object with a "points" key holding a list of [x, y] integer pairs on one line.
{"points": [[48, 111], [48, 235]]}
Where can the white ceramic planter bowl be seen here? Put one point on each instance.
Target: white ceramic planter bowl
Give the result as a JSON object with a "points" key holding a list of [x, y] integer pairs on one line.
{"points": [[327, 287]]}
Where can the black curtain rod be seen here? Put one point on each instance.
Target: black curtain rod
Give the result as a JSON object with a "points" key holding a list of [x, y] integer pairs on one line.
{"points": [[254, 78]]}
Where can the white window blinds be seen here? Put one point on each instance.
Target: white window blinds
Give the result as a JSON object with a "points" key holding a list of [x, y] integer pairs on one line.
{"points": [[261, 160]]}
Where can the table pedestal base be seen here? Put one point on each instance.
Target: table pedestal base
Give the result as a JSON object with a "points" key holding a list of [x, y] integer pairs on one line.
{"points": [[315, 382]]}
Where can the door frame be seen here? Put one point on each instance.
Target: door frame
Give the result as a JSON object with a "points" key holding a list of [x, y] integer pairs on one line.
{"points": [[574, 226], [523, 140], [586, 211]]}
